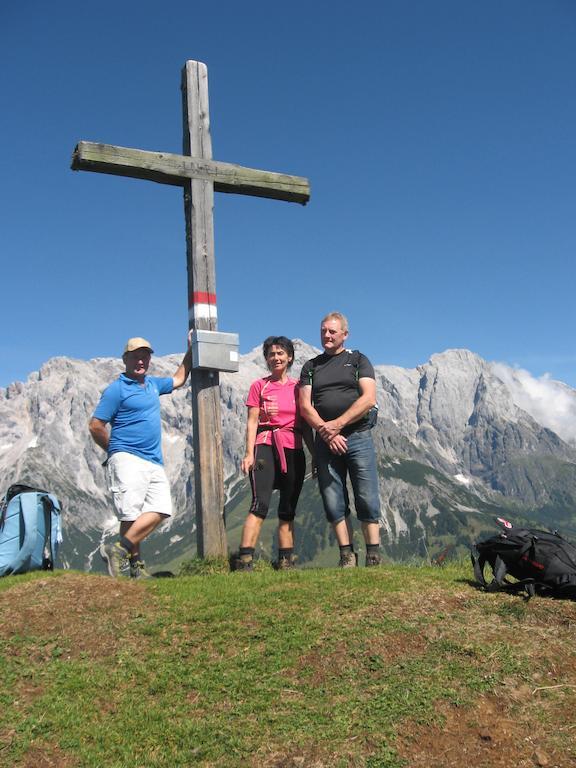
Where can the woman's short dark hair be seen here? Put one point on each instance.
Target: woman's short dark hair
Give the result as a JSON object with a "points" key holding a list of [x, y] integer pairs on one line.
{"points": [[278, 341]]}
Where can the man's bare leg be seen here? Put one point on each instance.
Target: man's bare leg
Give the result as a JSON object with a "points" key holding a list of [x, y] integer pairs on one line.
{"points": [[135, 531]]}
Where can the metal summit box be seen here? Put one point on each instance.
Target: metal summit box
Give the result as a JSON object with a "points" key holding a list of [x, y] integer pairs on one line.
{"points": [[215, 351]]}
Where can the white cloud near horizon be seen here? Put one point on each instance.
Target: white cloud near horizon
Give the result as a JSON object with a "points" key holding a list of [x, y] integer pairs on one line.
{"points": [[551, 403]]}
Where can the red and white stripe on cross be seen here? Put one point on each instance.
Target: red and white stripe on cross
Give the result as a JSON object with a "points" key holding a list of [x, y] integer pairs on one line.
{"points": [[202, 306]]}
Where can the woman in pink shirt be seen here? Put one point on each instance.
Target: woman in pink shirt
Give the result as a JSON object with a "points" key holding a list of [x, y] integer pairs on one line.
{"points": [[274, 455]]}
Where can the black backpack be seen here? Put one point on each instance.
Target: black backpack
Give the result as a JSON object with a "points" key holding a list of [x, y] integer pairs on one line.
{"points": [[543, 563]]}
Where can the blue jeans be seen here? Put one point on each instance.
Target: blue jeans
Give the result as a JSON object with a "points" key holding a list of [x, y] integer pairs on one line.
{"points": [[359, 462]]}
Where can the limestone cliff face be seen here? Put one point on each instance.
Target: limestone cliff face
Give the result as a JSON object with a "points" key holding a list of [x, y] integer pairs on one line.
{"points": [[451, 436], [460, 416]]}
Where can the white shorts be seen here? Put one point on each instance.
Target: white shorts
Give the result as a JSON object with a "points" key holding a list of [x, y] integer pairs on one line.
{"points": [[137, 486]]}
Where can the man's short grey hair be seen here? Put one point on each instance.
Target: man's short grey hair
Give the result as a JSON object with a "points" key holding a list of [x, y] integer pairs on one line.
{"points": [[342, 319]]}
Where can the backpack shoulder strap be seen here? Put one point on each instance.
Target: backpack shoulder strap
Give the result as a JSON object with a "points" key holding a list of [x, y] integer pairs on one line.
{"points": [[499, 580], [354, 359], [52, 514], [57, 537], [566, 586], [498, 571], [313, 363]]}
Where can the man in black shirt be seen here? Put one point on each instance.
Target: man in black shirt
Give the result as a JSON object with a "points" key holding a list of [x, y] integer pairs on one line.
{"points": [[337, 391]]}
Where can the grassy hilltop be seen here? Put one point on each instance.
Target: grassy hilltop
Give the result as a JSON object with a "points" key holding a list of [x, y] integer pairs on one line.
{"points": [[375, 668]]}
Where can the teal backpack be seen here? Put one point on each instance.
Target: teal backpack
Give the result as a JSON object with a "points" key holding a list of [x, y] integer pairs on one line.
{"points": [[30, 530]]}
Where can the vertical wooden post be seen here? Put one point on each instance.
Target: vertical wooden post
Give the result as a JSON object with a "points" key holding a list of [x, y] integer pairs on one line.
{"points": [[206, 419]]}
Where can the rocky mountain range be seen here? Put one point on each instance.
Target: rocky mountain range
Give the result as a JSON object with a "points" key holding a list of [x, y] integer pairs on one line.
{"points": [[458, 442]]}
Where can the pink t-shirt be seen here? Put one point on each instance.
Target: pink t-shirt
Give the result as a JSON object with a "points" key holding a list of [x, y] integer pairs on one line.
{"points": [[267, 395]]}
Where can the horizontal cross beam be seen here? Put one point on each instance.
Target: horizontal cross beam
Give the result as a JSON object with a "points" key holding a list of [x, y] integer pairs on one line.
{"points": [[167, 168]]}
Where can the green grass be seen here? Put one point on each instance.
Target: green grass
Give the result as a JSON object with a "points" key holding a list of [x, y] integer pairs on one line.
{"points": [[264, 669]]}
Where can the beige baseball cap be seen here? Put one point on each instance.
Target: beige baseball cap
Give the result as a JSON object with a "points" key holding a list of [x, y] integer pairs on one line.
{"points": [[137, 343]]}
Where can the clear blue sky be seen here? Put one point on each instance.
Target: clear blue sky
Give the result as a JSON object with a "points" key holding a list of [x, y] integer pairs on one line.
{"points": [[439, 139]]}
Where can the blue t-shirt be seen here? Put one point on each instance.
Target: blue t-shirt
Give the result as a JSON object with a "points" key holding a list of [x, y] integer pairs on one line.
{"points": [[133, 411]]}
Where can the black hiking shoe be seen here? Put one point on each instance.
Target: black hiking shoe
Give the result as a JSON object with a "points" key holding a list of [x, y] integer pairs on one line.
{"points": [[242, 563], [286, 563], [372, 561], [348, 560]]}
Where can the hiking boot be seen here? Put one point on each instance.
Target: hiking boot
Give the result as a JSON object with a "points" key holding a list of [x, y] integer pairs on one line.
{"points": [[348, 560], [373, 560], [243, 563], [286, 563], [115, 557], [138, 570]]}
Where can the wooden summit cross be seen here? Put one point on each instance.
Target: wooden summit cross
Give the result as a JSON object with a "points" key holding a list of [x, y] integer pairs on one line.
{"points": [[199, 175]]}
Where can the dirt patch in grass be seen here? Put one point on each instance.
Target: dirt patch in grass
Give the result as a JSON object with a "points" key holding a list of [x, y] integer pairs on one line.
{"points": [[321, 664], [493, 734], [72, 614], [509, 728], [46, 756]]}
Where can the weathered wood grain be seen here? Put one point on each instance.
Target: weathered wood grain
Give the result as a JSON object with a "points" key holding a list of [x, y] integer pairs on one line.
{"points": [[205, 385], [167, 168]]}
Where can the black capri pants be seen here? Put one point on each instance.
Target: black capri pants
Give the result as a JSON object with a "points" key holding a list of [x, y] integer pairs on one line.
{"points": [[266, 476]]}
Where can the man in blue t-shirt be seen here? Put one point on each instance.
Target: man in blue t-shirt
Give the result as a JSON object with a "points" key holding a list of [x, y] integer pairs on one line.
{"points": [[337, 393], [136, 476]]}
